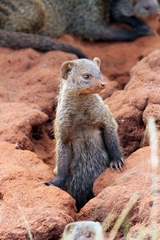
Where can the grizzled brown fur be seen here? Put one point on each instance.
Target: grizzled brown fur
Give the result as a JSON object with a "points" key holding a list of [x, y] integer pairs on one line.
{"points": [[90, 20], [85, 131]]}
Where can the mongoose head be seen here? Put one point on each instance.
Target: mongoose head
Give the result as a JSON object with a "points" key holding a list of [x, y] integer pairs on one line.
{"points": [[83, 76], [137, 8], [83, 230], [145, 8]]}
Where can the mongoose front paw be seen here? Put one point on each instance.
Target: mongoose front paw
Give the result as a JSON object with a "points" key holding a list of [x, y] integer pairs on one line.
{"points": [[149, 30], [117, 164]]}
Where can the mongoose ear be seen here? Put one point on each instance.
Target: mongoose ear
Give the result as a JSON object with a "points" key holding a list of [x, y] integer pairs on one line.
{"points": [[97, 61], [69, 229], [66, 68]]}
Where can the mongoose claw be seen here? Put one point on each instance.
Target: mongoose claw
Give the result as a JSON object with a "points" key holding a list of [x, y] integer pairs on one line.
{"points": [[117, 164], [48, 183], [55, 182]]}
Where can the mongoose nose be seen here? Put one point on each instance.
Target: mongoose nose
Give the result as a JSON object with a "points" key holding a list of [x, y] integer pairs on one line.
{"points": [[103, 84]]}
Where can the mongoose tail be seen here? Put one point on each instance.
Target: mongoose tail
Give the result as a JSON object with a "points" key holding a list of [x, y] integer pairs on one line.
{"points": [[18, 40]]}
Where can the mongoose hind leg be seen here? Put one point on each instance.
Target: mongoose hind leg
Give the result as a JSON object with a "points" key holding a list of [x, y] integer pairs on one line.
{"points": [[22, 16]]}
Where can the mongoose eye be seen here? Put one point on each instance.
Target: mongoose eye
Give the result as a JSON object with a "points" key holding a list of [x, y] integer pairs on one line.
{"points": [[86, 76], [88, 235], [147, 8]]}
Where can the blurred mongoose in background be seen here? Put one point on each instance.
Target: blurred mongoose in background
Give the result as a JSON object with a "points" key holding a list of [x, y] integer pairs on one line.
{"points": [[85, 131], [83, 230], [91, 20]]}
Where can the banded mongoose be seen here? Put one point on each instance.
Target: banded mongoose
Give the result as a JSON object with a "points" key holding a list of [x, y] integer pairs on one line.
{"points": [[85, 131], [83, 230], [90, 20]]}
